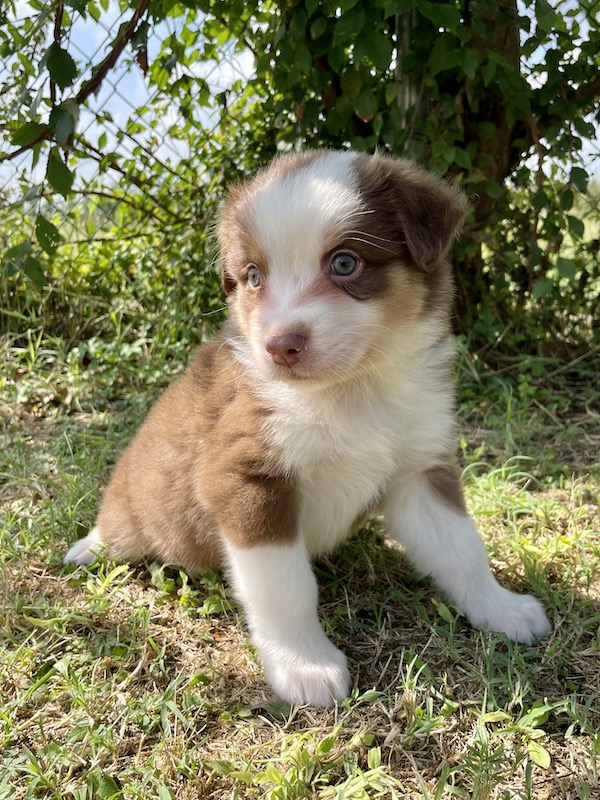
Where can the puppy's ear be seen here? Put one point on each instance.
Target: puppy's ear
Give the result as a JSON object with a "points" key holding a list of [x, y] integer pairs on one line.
{"points": [[433, 213], [227, 230], [428, 210], [227, 282]]}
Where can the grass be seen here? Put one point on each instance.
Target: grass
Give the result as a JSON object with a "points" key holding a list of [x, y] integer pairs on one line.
{"points": [[138, 681]]}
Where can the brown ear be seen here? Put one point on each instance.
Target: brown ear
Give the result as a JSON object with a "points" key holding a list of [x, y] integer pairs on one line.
{"points": [[227, 282], [428, 210], [227, 230]]}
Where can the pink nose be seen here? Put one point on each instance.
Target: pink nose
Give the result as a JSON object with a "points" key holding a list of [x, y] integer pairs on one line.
{"points": [[285, 349]]}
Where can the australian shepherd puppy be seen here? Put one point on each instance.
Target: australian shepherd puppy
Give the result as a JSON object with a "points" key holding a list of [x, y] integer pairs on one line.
{"points": [[326, 399]]}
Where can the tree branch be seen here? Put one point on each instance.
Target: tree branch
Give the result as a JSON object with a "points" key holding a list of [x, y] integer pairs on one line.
{"points": [[89, 87], [99, 156], [111, 59], [584, 94], [57, 36], [566, 98]]}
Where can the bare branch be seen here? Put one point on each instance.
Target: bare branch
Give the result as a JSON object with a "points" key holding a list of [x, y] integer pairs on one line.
{"points": [[57, 36], [111, 59], [99, 156]]}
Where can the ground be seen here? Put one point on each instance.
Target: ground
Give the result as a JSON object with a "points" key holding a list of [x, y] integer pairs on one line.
{"points": [[139, 681]]}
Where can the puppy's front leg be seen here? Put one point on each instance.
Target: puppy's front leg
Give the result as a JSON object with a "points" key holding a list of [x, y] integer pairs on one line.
{"points": [[426, 513], [278, 590]]}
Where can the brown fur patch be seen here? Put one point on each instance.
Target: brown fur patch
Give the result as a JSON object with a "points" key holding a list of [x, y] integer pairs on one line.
{"points": [[415, 217], [410, 207], [199, 457], [445, 481]]}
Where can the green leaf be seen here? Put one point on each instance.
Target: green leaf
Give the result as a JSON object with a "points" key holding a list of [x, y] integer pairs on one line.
{"points": [[441, 14], [105, 786], [221, 767], [47, 235], [337, 58], [567, 198], [139, 39], [62, 68], [17, 252], [538, 754], [350, 24], [393, 7], [58, 174], [374, 757], [541, 287], [351, 83], [579, 178], [468, 61], [444, 55], [366, 105], [566, 267], [27, 133], [444, 612], [536, 716], [462, 158], [494, 189], [303, 60], [278, 709], [318, 27], [496, 716], [576, 226], [375, 46], [546, 15], [32, 268], [63, 121], [164, 793]]}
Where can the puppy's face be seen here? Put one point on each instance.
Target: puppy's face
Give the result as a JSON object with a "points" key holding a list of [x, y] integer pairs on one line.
{"points": [[329, 257]]}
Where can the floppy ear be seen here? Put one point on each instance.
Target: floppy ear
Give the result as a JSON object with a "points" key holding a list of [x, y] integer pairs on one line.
{"points": [[227, 230], [432, 213], [224, 229], [227, 282], [428, 210]]}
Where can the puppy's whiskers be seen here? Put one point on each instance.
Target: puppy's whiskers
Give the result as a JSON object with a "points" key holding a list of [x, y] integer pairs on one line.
{"points": [[372, 240]]}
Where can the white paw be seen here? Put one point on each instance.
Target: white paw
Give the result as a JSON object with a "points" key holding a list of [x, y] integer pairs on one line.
{"points": [[520, 616], [311, 678], [86, 550]]}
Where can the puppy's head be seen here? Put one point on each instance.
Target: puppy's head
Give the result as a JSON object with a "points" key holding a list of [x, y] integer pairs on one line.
{"points": [[334, 263]]}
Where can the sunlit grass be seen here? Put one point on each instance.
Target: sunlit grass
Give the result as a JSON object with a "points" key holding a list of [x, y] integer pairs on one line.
{"points": [[138, 681]]}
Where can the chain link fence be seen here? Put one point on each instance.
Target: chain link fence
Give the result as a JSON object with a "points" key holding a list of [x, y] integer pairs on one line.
{"points": [[132, 191]]}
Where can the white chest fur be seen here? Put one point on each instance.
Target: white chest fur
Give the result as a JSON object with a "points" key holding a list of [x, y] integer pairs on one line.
{"points": [[344, 446]]}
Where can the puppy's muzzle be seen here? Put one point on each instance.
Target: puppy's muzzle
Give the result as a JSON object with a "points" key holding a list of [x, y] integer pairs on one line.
{"points": [[286, 349]]}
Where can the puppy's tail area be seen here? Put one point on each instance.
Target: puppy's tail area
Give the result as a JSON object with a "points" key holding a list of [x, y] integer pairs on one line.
{"points": [[85, 551]]}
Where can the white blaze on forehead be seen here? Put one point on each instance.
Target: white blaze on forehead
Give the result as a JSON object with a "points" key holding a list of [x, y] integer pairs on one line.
{"points": [[293, 215]]}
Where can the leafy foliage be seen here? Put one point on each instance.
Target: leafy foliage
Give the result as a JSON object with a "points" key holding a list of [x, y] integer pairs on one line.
{"points": [[498, 96]]}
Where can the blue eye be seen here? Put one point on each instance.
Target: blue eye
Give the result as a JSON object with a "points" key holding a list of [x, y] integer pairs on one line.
{"points": [[344, 264], [254, 276]]}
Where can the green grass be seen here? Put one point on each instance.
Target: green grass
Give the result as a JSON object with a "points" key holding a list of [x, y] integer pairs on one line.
{"points": [[139, 681]]}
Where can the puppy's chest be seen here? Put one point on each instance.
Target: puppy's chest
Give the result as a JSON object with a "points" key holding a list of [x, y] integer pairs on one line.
{"points": [[307, 439], [341, 456]]}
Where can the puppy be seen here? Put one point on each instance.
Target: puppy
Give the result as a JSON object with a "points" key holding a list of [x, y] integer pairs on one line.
{"points": [[326, 399]]}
